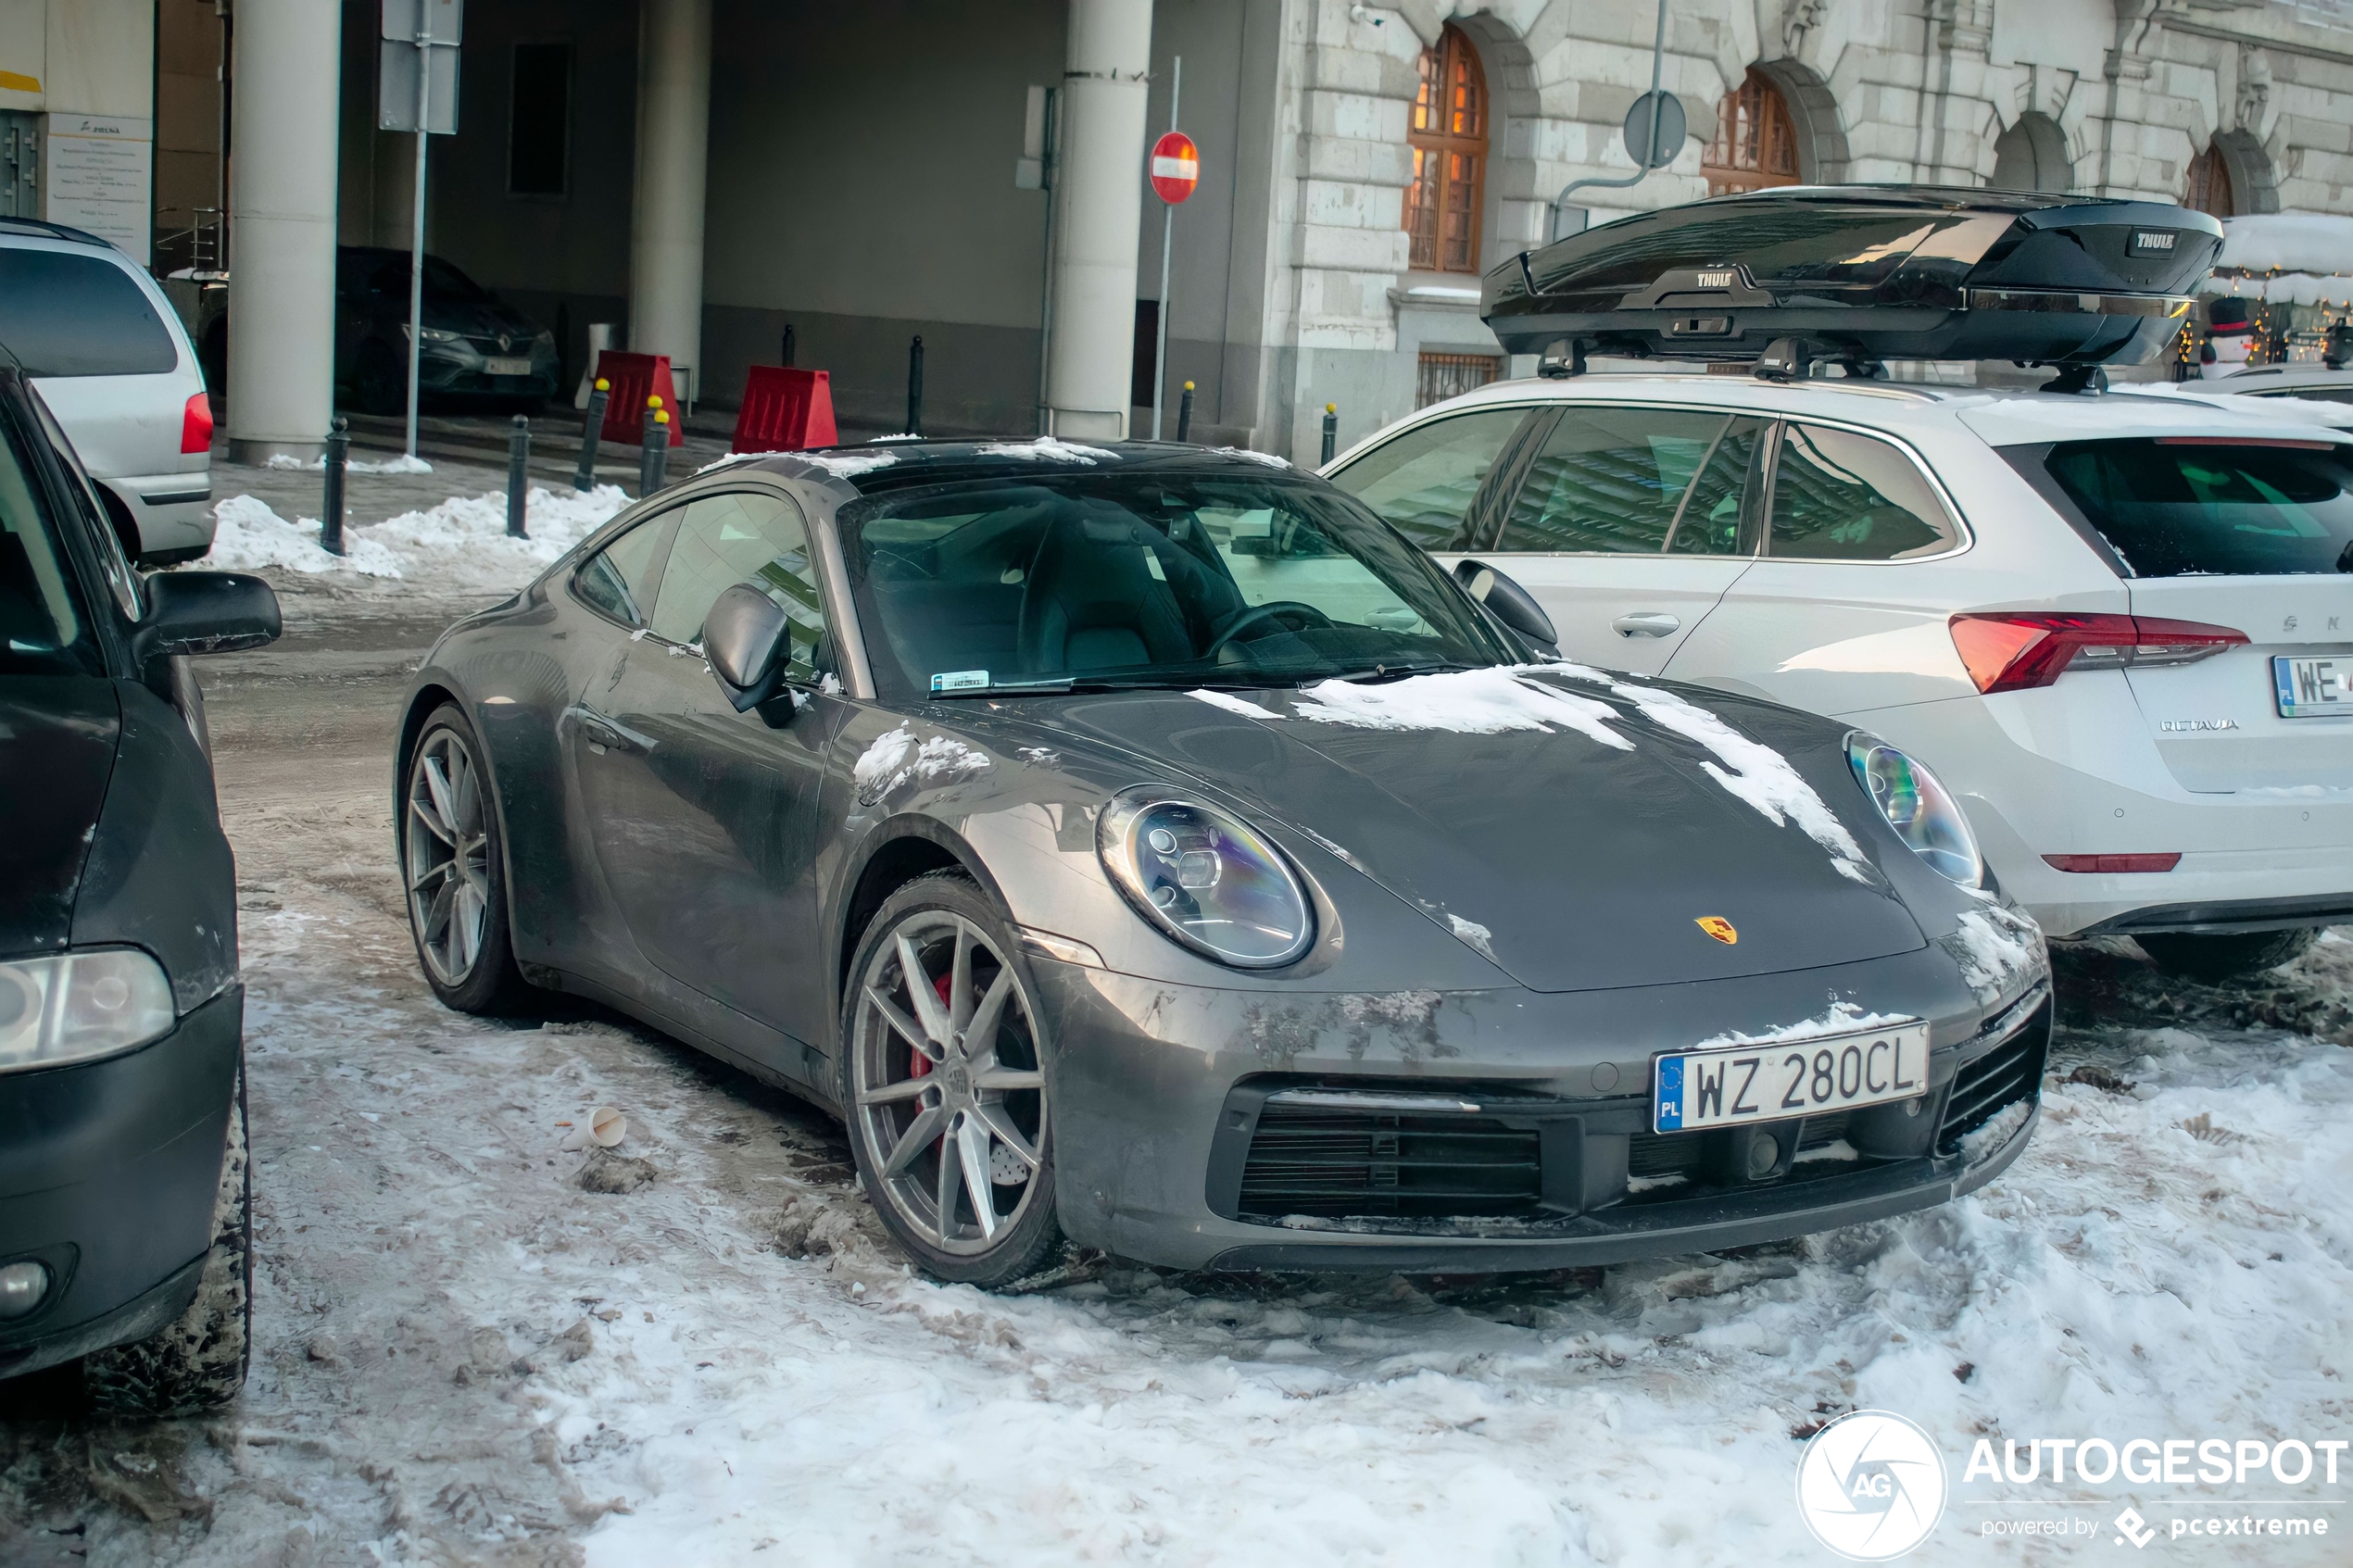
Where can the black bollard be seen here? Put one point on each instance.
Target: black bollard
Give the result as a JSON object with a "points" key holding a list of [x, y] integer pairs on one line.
{"points": [[1185, 414], [915, 386], [584, 480], [1332, 430], [518, 476], [786, 362], [655, 454], [330, 504]]}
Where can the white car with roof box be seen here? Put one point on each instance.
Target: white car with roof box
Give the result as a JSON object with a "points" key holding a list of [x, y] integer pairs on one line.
{"points": [[107, 353], [2121, 629]]}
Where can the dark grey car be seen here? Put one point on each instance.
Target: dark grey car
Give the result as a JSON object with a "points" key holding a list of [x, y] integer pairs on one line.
{"points": [[1148, 848]]}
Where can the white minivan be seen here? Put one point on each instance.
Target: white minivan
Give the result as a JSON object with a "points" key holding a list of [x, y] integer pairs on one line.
{"points": [[2120, 628], [108, 356]]}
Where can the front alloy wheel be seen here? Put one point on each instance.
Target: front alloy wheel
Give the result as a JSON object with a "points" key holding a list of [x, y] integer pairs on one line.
{"points": [[450, 861], [947, 1089]]}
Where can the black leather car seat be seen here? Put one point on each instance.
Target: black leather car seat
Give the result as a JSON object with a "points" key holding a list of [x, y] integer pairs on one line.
{"points": [[1091, 601]]}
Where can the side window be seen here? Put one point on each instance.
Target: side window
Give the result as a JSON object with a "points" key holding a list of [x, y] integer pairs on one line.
{"points": [[1610, 481], [1423, 481], [1710, 522], [1842, 496], [41, 623], [745, 536], [617, 580], [112, 558]]}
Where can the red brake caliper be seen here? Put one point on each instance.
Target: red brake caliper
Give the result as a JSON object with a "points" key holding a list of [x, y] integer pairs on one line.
{"points": [[921, 1067]]}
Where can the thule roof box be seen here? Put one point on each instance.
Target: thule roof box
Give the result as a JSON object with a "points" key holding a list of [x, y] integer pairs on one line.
{"points": [[1862, 274]]}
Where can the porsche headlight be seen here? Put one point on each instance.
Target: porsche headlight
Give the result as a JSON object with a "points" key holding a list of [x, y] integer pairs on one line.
{"points": [[1206, 879], [1922, 812], [77, 1006]]}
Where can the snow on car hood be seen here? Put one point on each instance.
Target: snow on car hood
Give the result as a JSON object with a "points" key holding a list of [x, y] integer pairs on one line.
{"points": [[1574, 826]]}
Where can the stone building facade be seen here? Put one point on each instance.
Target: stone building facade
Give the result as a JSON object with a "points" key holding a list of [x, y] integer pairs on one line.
{"points": [[2235, 107], [862, 175]]}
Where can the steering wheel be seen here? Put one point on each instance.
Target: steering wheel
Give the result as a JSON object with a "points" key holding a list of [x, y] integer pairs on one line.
{"points": [[1311, 619]]}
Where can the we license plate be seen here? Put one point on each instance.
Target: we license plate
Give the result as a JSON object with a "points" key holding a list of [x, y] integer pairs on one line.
{"points": [[1780, 1079], [506, 367], [2313, 688]]}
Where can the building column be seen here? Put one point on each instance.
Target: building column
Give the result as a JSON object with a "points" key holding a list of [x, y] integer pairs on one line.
{"points": [[281, 232], [1099, 189], [673, 150]]}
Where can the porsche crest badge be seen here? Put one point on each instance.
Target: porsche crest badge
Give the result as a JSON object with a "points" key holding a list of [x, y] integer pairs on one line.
{"points": [[1719, 928]]}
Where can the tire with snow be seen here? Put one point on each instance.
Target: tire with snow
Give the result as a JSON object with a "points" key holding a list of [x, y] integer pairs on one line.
{"points": [[453, 863], [2226, 956], [198, 1361], [943, 1081]]}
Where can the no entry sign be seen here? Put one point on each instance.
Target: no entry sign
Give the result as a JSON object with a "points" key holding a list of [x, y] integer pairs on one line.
{"points": [[1176, 167]]}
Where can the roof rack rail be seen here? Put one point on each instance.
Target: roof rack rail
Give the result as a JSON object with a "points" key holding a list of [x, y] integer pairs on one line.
{"points": [[1857, 275], [53, 231]]}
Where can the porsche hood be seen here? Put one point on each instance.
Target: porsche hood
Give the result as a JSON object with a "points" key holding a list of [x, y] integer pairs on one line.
{"points": [[1581, 829]]}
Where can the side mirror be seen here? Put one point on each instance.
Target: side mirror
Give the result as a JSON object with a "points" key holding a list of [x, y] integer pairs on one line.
{"points": [[204, 612], [744, 638], [1509, 603]]}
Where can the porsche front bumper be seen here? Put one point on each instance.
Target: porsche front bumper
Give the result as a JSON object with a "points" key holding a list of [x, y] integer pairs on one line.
{"points": [[1495, 1130]]}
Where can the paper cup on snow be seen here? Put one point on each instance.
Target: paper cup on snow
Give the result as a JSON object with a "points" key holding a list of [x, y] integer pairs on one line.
{"points": [[606, 1126]]}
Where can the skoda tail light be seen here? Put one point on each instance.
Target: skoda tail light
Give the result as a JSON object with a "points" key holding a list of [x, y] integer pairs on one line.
{"points": [[195, 424], [2010, 653]]}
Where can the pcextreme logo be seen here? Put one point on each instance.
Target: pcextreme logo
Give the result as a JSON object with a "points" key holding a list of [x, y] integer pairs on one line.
{"points": [[1871, 1486]]}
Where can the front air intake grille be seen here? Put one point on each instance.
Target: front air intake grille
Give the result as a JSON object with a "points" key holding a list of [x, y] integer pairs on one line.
{"points": [[2008, 1073], [1316, 1160]]}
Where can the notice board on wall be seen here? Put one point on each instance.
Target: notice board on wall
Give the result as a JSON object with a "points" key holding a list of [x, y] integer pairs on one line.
{"points": [[98, 174]]}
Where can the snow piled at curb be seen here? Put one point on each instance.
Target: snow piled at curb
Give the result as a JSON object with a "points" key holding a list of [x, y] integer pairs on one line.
{"points": [[405, 463], [460, 544]]}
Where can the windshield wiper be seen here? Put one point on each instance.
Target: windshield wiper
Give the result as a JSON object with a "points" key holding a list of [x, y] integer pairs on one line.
{"points": [[1172, 680], [1381, 674]]}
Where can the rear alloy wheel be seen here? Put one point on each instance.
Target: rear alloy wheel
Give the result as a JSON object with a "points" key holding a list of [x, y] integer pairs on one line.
{"points": [[2236, 955], [946, 1088], [451, 860]]}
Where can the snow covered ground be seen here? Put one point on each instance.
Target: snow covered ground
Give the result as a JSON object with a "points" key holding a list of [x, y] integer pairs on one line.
{"points": [[476, 1348]]}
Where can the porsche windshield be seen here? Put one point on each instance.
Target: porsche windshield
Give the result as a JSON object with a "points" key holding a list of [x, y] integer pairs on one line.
{"points": [[1146, 578]]}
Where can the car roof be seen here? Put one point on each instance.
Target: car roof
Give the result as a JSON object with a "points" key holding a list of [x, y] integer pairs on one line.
{"points": [[1996, 417], [906, 463], [38, 230]]}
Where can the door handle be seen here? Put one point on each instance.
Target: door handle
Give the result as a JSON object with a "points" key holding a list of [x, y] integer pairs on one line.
{"points": [[602, 732], [1646, 623]]}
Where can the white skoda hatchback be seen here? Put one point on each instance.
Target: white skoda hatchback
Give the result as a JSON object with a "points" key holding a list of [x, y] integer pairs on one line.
{"points": [[2120, 628]]}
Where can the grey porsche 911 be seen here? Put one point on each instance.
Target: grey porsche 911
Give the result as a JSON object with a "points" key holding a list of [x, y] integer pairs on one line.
{"points": [[1146, 849]]}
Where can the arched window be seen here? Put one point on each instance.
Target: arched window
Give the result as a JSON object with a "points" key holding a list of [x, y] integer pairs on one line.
{"points": [[2209, 188], [1755, 145], [1449, 139], [2032, 156]]}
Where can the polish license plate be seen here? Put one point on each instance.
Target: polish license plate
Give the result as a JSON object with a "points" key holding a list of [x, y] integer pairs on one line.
{"points": [[506, 367], [2313, 688], [1781, 1079]]}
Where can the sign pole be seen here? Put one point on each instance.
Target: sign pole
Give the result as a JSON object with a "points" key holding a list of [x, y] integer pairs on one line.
{"points": [[417, 219], [1167, 242]]}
